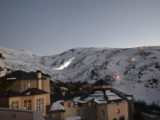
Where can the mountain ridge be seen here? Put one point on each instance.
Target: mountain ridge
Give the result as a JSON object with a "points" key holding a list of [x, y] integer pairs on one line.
{"points": [[132, 70]]}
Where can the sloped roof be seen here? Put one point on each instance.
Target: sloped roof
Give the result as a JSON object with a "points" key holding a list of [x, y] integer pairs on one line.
{"points": [[57, 106], [100, 96], [28, 92], [106, 95], [33, 91], [1, 56], [22, 75]]}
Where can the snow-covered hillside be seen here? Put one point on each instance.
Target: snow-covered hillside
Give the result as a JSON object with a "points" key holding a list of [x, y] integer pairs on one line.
{"points": [[133, 70]]}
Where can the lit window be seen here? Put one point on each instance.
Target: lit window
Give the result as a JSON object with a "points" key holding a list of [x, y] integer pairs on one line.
{"points": [[40, 104], [27, 104], [15, 105], [117, 111], [89, 104], [29, 85]]}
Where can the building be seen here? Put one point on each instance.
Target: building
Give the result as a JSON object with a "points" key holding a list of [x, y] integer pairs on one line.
{"points": [[97, 104], [25, 90], [15, 114], [2, 66], [106, 104], [63, 107], [101, 84]]}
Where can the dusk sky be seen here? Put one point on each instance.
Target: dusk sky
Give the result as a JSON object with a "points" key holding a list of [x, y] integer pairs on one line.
{"points": [[50, 27]]}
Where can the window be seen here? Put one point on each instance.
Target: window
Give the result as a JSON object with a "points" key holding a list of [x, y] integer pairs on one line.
{"points": [[29, 85], [69, 104], [117, 111], [103, 112], [58, 116], [122, 118], [23, 85], [40, 104], [78, 112], [15, 105], [89, 104], [27, 104]]}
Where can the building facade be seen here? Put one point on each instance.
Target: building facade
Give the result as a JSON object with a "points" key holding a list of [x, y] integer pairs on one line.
{"points": [[97, 104], [27, 91]]}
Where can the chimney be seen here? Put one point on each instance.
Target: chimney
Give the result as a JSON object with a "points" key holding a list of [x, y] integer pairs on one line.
{"points": [[39, 76], [8, 71]]}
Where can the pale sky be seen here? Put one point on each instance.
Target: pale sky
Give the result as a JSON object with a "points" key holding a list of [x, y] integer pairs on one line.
{"points": [[50, 27]]}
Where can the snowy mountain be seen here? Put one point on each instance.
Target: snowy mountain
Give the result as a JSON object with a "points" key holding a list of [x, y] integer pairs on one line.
{"points": [[132, 70]]}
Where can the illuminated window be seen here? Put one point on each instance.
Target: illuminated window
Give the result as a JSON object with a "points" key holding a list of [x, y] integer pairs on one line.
{"points": [[27, 104], [40, 104], [29, 85], [89, 104], [15, 105], [69, 104], [117, 111]]}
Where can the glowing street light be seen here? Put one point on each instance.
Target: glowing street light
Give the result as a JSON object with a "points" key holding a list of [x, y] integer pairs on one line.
{"points": [[117, 77], [133, 59]]}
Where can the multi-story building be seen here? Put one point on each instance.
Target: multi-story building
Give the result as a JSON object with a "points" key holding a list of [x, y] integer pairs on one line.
{"points": [[97, 104], [25, 90]]}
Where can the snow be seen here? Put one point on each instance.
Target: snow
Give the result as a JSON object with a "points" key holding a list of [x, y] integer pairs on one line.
{"points": [[65, 64], [129, 98], [64, 88], [13, 78], [57, 105], [80, 64], [111, 95], [151, 116], [99, 97], [73, 118]]}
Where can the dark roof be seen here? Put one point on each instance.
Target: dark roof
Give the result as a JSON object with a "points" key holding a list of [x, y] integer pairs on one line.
{"points": [[28, 92], [67, 96], [1, 56], [12, 93], [101, 82], [22, 75], [33, 91]]}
